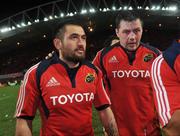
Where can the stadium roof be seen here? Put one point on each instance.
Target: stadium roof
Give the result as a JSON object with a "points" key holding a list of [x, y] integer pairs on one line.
{"points": [[40, 20]]}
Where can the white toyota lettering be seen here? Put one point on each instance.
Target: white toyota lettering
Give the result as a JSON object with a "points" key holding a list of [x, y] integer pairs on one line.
{"points": [[131, 73], [79, 97]]}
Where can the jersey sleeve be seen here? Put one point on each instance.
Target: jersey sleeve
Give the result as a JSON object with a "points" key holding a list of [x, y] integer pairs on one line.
{"points": [[101, 99], [28, 97], [177, 66]]}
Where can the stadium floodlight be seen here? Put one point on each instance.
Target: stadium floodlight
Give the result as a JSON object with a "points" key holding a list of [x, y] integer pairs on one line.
{"points": [[104, 10], [163, 8], [55, 16], [120, 8], [75, 13], [92, 10], [36, 20], [114, 8], [158, 8], [46, 19], [62, 15], [153, 8], [125, 8], [6, 29], [19, 26], [70, 14], [29, 23], [13, 27], [172, 8], [50, 17], [167, 8], [130, 8], [147, 8], [139, 7], [83, 11], [23, 24]]}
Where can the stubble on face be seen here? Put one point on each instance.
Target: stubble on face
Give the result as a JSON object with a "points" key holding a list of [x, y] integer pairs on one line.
{"points": [[130, 33], [73, 44]]}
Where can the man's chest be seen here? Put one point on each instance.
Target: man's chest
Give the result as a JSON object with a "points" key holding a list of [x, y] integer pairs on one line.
{"points": [[59, 90]]}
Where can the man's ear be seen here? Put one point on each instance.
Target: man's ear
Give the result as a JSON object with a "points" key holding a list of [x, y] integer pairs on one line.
{"points": [[117, 32], [57, 43]]}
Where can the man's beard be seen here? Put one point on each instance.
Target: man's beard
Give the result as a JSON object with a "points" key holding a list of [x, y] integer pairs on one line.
{"points": [[73, 57]]}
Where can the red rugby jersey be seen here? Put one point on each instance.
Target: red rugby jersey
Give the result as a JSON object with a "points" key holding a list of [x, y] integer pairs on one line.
{"points": [[63, 95], [128, 78], [165, 77]]}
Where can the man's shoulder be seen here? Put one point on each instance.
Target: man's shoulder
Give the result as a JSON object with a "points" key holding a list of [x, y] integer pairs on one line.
{"points": [[90, 65], [151, 48], [31, 72], [171, 54], [107, 50]]}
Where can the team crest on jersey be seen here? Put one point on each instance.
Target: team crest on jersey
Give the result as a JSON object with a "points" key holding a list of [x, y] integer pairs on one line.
{"points": [[89, 78], [148, 57]]}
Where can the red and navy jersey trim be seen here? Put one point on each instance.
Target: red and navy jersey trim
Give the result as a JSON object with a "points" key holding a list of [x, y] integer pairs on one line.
{"points": [[156, 51], [43, 66], [171, 54]]}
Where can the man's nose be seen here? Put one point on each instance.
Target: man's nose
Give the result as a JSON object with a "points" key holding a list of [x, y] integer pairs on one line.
{"points": [[81, 41], [132, 36]]}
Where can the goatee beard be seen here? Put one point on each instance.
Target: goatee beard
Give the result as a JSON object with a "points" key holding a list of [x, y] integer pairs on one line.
{"points": [[74, 59]]}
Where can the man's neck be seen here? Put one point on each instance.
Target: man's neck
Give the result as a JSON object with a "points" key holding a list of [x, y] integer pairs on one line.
{"points": [[69, 63]]}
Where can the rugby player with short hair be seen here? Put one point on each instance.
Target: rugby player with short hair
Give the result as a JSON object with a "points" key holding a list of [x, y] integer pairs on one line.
{"points": [[64, 88], [125, 66]]}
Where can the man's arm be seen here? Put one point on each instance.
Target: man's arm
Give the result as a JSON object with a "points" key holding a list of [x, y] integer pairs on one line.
{"points": [[23, 127], [108, 121], [173, 126]]}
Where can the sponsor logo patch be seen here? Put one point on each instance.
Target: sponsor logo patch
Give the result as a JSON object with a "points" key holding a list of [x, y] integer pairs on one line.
{"points": [[148, 57], [89, 78]]}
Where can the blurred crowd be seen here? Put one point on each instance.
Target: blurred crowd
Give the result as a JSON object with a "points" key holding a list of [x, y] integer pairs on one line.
{"points": [[20, 59]]}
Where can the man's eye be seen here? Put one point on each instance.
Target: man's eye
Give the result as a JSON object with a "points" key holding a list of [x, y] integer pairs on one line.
{"points": [[126, 32], [74, 37], [136, 31], [84, 37]]}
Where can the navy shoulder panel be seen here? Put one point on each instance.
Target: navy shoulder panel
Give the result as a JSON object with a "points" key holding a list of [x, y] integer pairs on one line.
{"points": [[44, 64], [89, 64], [103, 53], [107, 49], [42, 67], [171, 53], [155, 50]]}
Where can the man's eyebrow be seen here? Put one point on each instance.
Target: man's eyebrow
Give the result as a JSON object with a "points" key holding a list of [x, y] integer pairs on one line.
{"points": [[137, 28], [74, 34]]}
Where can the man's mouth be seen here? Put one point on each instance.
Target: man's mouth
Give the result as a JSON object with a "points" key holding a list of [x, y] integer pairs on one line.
{"points": [[80, 50], [131, 43]]}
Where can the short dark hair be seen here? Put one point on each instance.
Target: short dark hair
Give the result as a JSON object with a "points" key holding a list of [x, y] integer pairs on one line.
{"points": [[60, 29], [127, 16]]}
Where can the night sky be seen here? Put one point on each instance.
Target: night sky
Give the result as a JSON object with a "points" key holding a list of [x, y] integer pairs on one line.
{"points": [[11, 7]]}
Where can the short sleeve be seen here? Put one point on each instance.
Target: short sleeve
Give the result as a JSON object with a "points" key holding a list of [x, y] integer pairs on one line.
{"points": [[28, 97], [101, 99]]}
